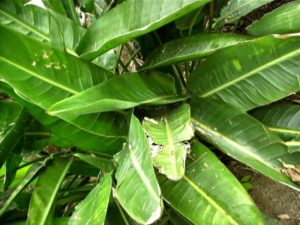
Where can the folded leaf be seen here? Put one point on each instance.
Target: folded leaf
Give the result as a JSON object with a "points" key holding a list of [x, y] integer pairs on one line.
{"points": [[190, 48], [251, 74], [169, 131], [121, 92], [282, 20], [13, 122], [41, 208], [235, 9], [137, 189], [211, 194], [92, 210], [243, 138], [129, 20]]}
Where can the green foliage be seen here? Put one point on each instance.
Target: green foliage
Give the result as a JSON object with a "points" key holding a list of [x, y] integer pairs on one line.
{"points": [[94, 129]]}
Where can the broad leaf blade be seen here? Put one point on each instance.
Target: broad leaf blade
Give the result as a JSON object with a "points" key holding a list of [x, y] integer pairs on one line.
{"points": [[105, 165], [43, 197], [129, 20], [284, 120], [190, 48], [121, 92], [92, 210], [251, 74], [210, 188], [235, 9], [282, 20], [30, 20], [243, 138], [45, 75], [137, 188], [170, 131], [13, 121]]}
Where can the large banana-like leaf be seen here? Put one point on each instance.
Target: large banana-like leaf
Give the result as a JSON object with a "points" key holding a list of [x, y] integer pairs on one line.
{"points": [[137, 188], [129, 20], [251, 74], [13, 121], [92, 210], [169, 131], [42, 203], [211, 194], [190, 48], [30, 20], [45, 75], [235, 9], [82, 137], [121, 92], [243, 138], [282, 20], [284, 120]]}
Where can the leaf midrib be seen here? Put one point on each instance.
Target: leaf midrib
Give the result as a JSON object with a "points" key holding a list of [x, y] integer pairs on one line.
{"points": [[284, 130], [210, 200], [250, 73]]}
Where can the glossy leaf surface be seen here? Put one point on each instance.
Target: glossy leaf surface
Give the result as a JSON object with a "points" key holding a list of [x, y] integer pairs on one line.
{"points": [[137, 189], [251, 74], [92, 210], [190, 48], [129, 20], [121, 92], [244, 138], [211, 193], [43, 197], [282, 20], [169, 131]]}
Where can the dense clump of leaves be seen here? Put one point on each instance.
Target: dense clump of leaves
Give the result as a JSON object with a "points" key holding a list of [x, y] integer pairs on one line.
{"points": [[115, 112]]}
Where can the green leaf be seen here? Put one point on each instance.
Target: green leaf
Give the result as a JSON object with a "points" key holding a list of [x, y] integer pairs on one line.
{"points": [[56, 221], [209, 187], [236, 9], [13, 121], [103, 164], [170, 131], [92, 210], [282, 20], [121, 92], [251, 74], [129, 20], [45, 75], [137, 189], [84, 136], [30, 20], [190, 48], [244, 138], [42, 203], [283, 119], [7, 199]]}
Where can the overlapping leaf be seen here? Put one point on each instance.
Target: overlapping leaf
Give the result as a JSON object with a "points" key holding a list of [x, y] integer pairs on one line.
{"points": [[283, 120], [243, 138], [45, 75], [137, 189], [13, 121], [122, 92], [251, 74], [129, 20], [282, 20], [235, 9], [191, 48], [41, 208], [169, 131], [210, 193], [92, 210]]}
